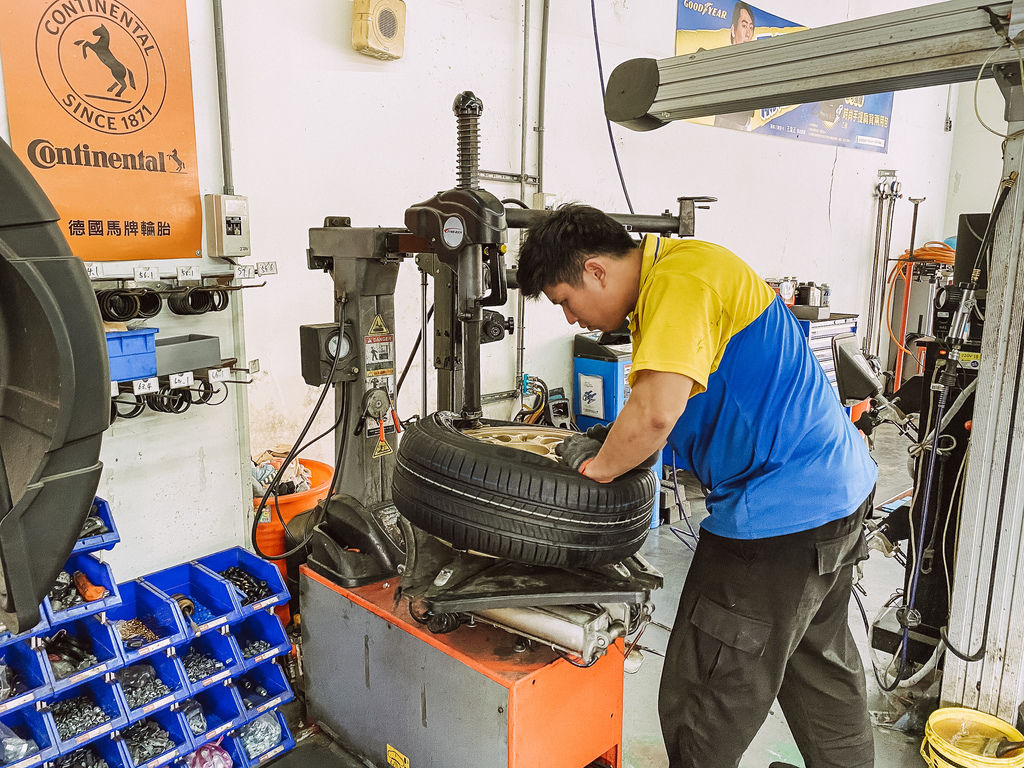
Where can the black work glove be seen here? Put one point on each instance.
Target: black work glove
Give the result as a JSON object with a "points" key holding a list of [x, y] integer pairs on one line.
{"points": [[579, 448]]}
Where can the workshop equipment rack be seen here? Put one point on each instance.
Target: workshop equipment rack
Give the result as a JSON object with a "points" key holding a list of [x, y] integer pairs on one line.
{"points": [[105, 646], [31, 666], [100, 541], [29, 722], [165, 620], [104, 694], [203, 588], [257, 567], [171, 673], [100, 574]]}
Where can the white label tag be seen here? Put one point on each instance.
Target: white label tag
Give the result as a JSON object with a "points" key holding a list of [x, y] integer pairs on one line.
{"points": [[145, 386], [266, 268], [188, 274], [114, 389], [245, 272], [182, 380], [95, 271], [146, 274], [219, 374]]}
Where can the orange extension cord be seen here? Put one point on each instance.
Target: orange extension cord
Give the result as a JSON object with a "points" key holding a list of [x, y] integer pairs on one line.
{"points": [[932, 251]]}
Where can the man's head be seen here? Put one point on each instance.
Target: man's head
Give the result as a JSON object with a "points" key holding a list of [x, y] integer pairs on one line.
{"points": [[585, 262], [742, 28]]}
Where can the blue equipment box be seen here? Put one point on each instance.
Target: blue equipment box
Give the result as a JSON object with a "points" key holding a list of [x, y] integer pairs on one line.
{"points": [[132, 354], [601, 365]]}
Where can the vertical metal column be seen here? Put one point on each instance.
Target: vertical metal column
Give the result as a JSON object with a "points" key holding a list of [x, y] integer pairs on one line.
{"points": [[993, 513]]}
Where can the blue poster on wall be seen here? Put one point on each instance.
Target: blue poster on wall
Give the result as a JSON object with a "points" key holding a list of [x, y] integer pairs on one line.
{"points": [[859, 122]]}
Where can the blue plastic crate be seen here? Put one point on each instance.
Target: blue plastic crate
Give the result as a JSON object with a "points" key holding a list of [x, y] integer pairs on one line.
{"points": [[241, 758], [207, 591], [27, 723], [100, 540], [261, 626], [222, 709], [257, 567], [99, 573], [29, 666], [170, 672], [158, 613], [6, 638], [132, 354], [174, 724], [110, 749], [105, 696], [263, 688], [221, 647], [105, 647]]}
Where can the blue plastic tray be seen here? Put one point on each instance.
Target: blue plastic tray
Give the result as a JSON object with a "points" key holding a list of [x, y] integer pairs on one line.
{"points": [[257, 567], [100, 540], [170, 672], [202, 587], [263, 688], [175, 725], [159, 613], [221, 647], [99, 574], [132, 354], [31, 667], [111, 749], [6, 638], [106, 698], [261, 626], [240, 756], [30, 724], [223, 710], [105, 647]]}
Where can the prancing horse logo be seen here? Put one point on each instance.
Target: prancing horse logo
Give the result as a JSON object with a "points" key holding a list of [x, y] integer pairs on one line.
{"points": [[101, 47]]}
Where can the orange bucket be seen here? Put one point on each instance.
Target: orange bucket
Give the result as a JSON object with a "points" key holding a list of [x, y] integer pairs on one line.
{"points": [[269, 531]]}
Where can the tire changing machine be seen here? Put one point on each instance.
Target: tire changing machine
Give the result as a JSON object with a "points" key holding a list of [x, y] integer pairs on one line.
{"points": [[415, 654]]}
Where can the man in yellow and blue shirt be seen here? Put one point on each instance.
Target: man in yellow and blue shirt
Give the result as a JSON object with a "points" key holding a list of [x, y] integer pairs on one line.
{"points": [[722, 374]]}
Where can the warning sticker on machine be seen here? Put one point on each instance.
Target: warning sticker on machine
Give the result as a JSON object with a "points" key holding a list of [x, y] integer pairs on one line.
{"points": [[378, 325], [380, 360], [382, 449], [396, 759], [970, 360]]}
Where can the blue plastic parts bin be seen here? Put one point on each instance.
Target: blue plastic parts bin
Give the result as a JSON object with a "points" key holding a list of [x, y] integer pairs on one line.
{"points": [[106, 697], [105, 647], [258, 568], [270, 677], [99, 574], [171, 673], [201, 586], [27, 723], [241, 758], [132, 354], [100, 540], [220, 647], [223, 711], [175, 726], [111, 749], [6, 638], [30, 667], [159, 613], [261, 626]]}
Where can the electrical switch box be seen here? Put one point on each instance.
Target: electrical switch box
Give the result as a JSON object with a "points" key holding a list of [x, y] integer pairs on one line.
{"points": [[378, 28], [227, 226]]}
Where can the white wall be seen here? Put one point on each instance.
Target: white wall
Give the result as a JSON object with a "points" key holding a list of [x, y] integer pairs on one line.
{"points": [[320, 130]]}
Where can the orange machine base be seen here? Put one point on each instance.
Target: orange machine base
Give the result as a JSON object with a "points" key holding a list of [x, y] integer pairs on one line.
{"points": [[552, 714]]}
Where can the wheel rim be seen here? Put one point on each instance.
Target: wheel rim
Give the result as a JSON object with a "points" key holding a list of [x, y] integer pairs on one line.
{"points": [[538, 440]]}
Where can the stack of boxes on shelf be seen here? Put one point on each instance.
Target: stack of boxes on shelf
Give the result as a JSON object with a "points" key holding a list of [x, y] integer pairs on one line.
{"points": [[151, 671]]}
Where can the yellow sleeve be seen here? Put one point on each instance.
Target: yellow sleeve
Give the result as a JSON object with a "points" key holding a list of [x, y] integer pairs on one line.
{"points": [[679, 328]]}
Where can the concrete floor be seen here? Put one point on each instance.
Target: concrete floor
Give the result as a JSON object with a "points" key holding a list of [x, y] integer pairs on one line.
{"points": [[642, 742]]}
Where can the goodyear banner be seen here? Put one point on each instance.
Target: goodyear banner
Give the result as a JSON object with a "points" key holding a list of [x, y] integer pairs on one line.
{"points": [[860, 122], [99, 98]]}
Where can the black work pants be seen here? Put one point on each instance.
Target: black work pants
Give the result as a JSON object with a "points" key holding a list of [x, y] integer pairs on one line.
{"points": [[760, 619]]}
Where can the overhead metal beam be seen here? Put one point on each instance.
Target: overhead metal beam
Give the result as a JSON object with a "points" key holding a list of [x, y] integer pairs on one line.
{"points": [[931, 45]]}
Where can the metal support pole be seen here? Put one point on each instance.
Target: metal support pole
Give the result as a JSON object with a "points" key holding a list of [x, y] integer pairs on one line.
{"points": [[988, 593], [898, 378], [876, 267], [222, 98], [423, 341]]}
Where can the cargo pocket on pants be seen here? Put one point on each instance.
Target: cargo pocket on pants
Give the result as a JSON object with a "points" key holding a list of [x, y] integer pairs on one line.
{"points": [[837, 553], [730, 629]]}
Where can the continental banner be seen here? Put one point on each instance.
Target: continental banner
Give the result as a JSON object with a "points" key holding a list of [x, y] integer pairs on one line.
{"points": [[99, 99], [860, 122]]}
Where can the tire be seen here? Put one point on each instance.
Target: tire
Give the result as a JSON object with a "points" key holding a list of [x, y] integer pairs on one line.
{"points": [[513, 504]]}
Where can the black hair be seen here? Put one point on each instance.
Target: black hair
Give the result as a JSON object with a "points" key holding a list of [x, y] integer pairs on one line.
{"points": [[738, 9], [555, 249]]}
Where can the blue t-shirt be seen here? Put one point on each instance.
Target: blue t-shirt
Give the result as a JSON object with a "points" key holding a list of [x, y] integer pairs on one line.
{"points": [[763, 429]]}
